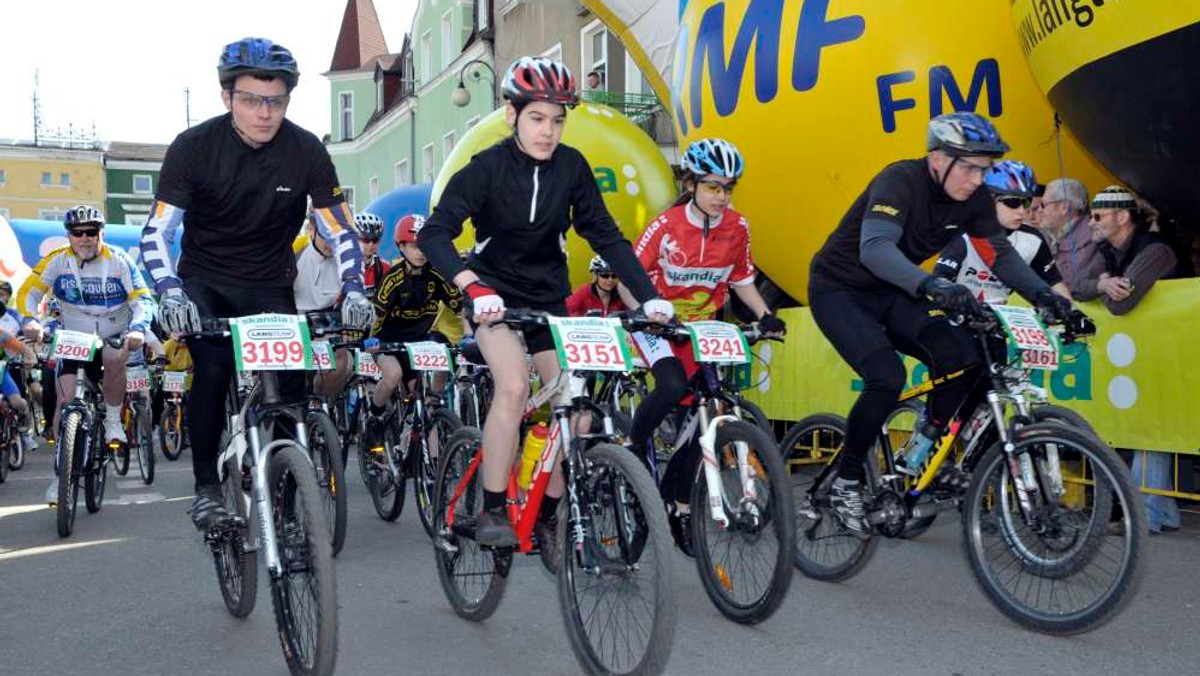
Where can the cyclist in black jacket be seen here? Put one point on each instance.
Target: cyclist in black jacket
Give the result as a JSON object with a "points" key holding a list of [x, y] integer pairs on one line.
{"points": [[521, 195], [870, 299]]}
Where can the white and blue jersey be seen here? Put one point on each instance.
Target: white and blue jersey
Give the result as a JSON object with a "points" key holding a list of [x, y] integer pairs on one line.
{"points": [[106, 295]]}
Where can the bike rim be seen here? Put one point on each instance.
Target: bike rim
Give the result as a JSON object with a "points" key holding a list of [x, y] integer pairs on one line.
{"points": [[297, 582], [470, 568]]}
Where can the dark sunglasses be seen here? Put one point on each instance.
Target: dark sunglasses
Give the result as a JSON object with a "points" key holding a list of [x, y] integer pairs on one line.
{"points": [[1015, 202], [605, 275], [84, 232], [369, 240]]}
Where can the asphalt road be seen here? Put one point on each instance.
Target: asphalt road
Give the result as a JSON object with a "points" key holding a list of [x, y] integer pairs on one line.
{"points": [[133, 592]]}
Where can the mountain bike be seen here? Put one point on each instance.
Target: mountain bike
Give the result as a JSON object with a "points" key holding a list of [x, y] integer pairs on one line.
{"points": [[415, 427], [473, 387], [172, 427], [614, 540], [1036, 494], [742, 523], [80, 453], [272, 495], [324, 440], [135, 419]]}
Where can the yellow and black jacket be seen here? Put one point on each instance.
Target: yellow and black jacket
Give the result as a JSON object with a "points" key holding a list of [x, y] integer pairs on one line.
{"points": [[406, 305]]}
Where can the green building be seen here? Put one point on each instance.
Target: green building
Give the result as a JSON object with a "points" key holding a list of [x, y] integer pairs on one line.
{"points": [[131, 178]]}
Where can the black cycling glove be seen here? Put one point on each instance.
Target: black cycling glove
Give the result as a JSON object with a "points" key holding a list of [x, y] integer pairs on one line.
{"points": [[948, 296], [1053, 305], [769, 323]]}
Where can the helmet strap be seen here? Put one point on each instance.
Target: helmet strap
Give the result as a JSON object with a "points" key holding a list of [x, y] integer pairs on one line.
{"points": [[709, 219], [945, 175]]}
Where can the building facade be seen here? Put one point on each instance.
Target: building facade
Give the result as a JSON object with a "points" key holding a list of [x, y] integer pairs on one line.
{"points": [[43, 182], [131, 176]]}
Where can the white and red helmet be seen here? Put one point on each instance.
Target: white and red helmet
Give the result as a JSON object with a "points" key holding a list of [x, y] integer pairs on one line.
{"points": [[408, 227], [537, 78]]}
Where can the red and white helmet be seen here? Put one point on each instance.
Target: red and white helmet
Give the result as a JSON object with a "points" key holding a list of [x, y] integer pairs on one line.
{"points": [[408, 227], [537, 78]]}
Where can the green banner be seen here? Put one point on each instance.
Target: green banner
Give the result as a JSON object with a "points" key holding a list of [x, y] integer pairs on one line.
{"points": [[1130, 380]]}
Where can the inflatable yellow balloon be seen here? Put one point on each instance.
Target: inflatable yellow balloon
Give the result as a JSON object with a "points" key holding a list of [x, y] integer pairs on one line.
{"points": [[634, 178], [1122, 75], [819, 96]]}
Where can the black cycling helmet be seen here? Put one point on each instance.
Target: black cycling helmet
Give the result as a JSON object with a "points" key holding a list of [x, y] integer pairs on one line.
{"points": [[6, 286], [256, 56], [958, 134]]}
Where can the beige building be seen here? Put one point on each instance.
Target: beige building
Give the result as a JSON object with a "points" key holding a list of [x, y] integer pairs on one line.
{"points": [[43, 182]]}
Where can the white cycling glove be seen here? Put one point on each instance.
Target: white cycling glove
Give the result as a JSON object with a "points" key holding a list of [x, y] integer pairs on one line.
{"points": [[658, 306], [357, 311], [177, 313], [484, 299]]}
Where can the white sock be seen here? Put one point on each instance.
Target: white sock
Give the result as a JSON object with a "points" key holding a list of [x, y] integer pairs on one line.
{"points": [[112, 413]]}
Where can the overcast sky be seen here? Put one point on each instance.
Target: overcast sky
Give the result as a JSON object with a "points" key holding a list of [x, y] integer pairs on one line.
{"points": [[124, 64]]}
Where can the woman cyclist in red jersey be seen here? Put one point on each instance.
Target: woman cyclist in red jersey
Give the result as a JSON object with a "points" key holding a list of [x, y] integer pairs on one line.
{"points": [[522, 195], [694, 252], [598, 296]]}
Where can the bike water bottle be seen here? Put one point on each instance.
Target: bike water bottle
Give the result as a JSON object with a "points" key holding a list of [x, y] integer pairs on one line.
{"points": [[919, 447], [531, 453]]}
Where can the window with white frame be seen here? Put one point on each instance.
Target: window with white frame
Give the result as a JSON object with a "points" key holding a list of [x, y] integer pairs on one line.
{"points": [[346, 100], [635, 82], [483, 15], [471, 122], [348, 193], [143, 184], [379, 93], [47, 179], [449, 49], [372, 188], [51, 214], [64, 179], [594, 42], [427, 160], [402, 177], [426, 58], [448, 141]]}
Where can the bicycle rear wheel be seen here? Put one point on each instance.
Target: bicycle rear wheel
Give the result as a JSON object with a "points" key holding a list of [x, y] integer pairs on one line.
{"points": [[95, 478], [424, 462], [170, 431], [472, 577], [386, 488], [142, 444], [304, 593], [1056, 570], [616, 589], [746, 566], [71, 445], [7, 459], [237, 568], [824, 549], [325, 449]]}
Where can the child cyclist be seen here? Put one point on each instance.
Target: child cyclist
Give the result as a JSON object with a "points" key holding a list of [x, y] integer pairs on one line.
{"points": [[694, 252], [408, 300], [522, 194]]}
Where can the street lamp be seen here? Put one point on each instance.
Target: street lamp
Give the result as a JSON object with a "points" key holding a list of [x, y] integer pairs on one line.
{"points": [[460, 96]]}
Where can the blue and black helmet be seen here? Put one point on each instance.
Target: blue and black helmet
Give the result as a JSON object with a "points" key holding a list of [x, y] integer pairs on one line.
{"points": [[257, 56], [83, 215], [1010, 178], [713, 156], [959, 134]]}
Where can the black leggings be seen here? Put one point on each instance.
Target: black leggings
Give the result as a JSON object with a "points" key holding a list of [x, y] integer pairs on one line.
{"points": [[214, 367], [867, 328], [670, 384]]}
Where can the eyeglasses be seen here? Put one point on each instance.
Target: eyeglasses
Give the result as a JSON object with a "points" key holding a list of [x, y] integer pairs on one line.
{"points": [[605, 275], [972, 168], [715, 188], [84, 232], [256, 101], [1015, 202]]}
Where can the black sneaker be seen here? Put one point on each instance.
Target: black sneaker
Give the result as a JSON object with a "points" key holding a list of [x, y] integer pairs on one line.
{"points": [[493, 530], [846, 498], [208, 508], [546, 531], [681, 530], [373, 434]]}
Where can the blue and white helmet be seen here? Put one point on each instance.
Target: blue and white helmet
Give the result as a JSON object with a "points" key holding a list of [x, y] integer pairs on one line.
{"points": [[960, 134], [1010, 178], [83, 215], [713, 156], [256, 56]]}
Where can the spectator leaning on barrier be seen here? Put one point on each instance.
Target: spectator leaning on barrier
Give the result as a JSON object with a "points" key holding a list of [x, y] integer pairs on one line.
{"points": [[1135, 258], [1064, 219], [1035, 207]]}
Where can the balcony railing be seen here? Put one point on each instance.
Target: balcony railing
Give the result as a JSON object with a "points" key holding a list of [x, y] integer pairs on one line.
{"points": [[642, 109]]}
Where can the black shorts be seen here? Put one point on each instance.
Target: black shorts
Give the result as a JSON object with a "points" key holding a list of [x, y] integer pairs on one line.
{"points": [[94, 368], [537, 338]]}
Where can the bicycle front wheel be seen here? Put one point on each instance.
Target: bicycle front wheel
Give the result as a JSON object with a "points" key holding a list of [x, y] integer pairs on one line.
{"points": [[71, 446], [746, 565], [616, 587], [1055, 567], [170, 431], [304, 593], [141, 441], [95, 477], [472, 577], [324, 446], [442, 424]]}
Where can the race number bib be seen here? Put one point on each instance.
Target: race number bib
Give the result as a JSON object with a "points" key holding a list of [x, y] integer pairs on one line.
{"points": [[590, 344], [137, 379], [364, 365], [74, 345], [271, 342], [428, 356], [718, 343], [174, 381], [322, 355], [1030, 344]]}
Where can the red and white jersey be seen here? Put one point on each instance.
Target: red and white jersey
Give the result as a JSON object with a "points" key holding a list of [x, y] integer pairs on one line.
{"points": [[690, 269]]}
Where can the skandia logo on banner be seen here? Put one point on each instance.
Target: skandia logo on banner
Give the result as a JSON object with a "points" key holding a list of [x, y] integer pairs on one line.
{"points": [[708, 277]]}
